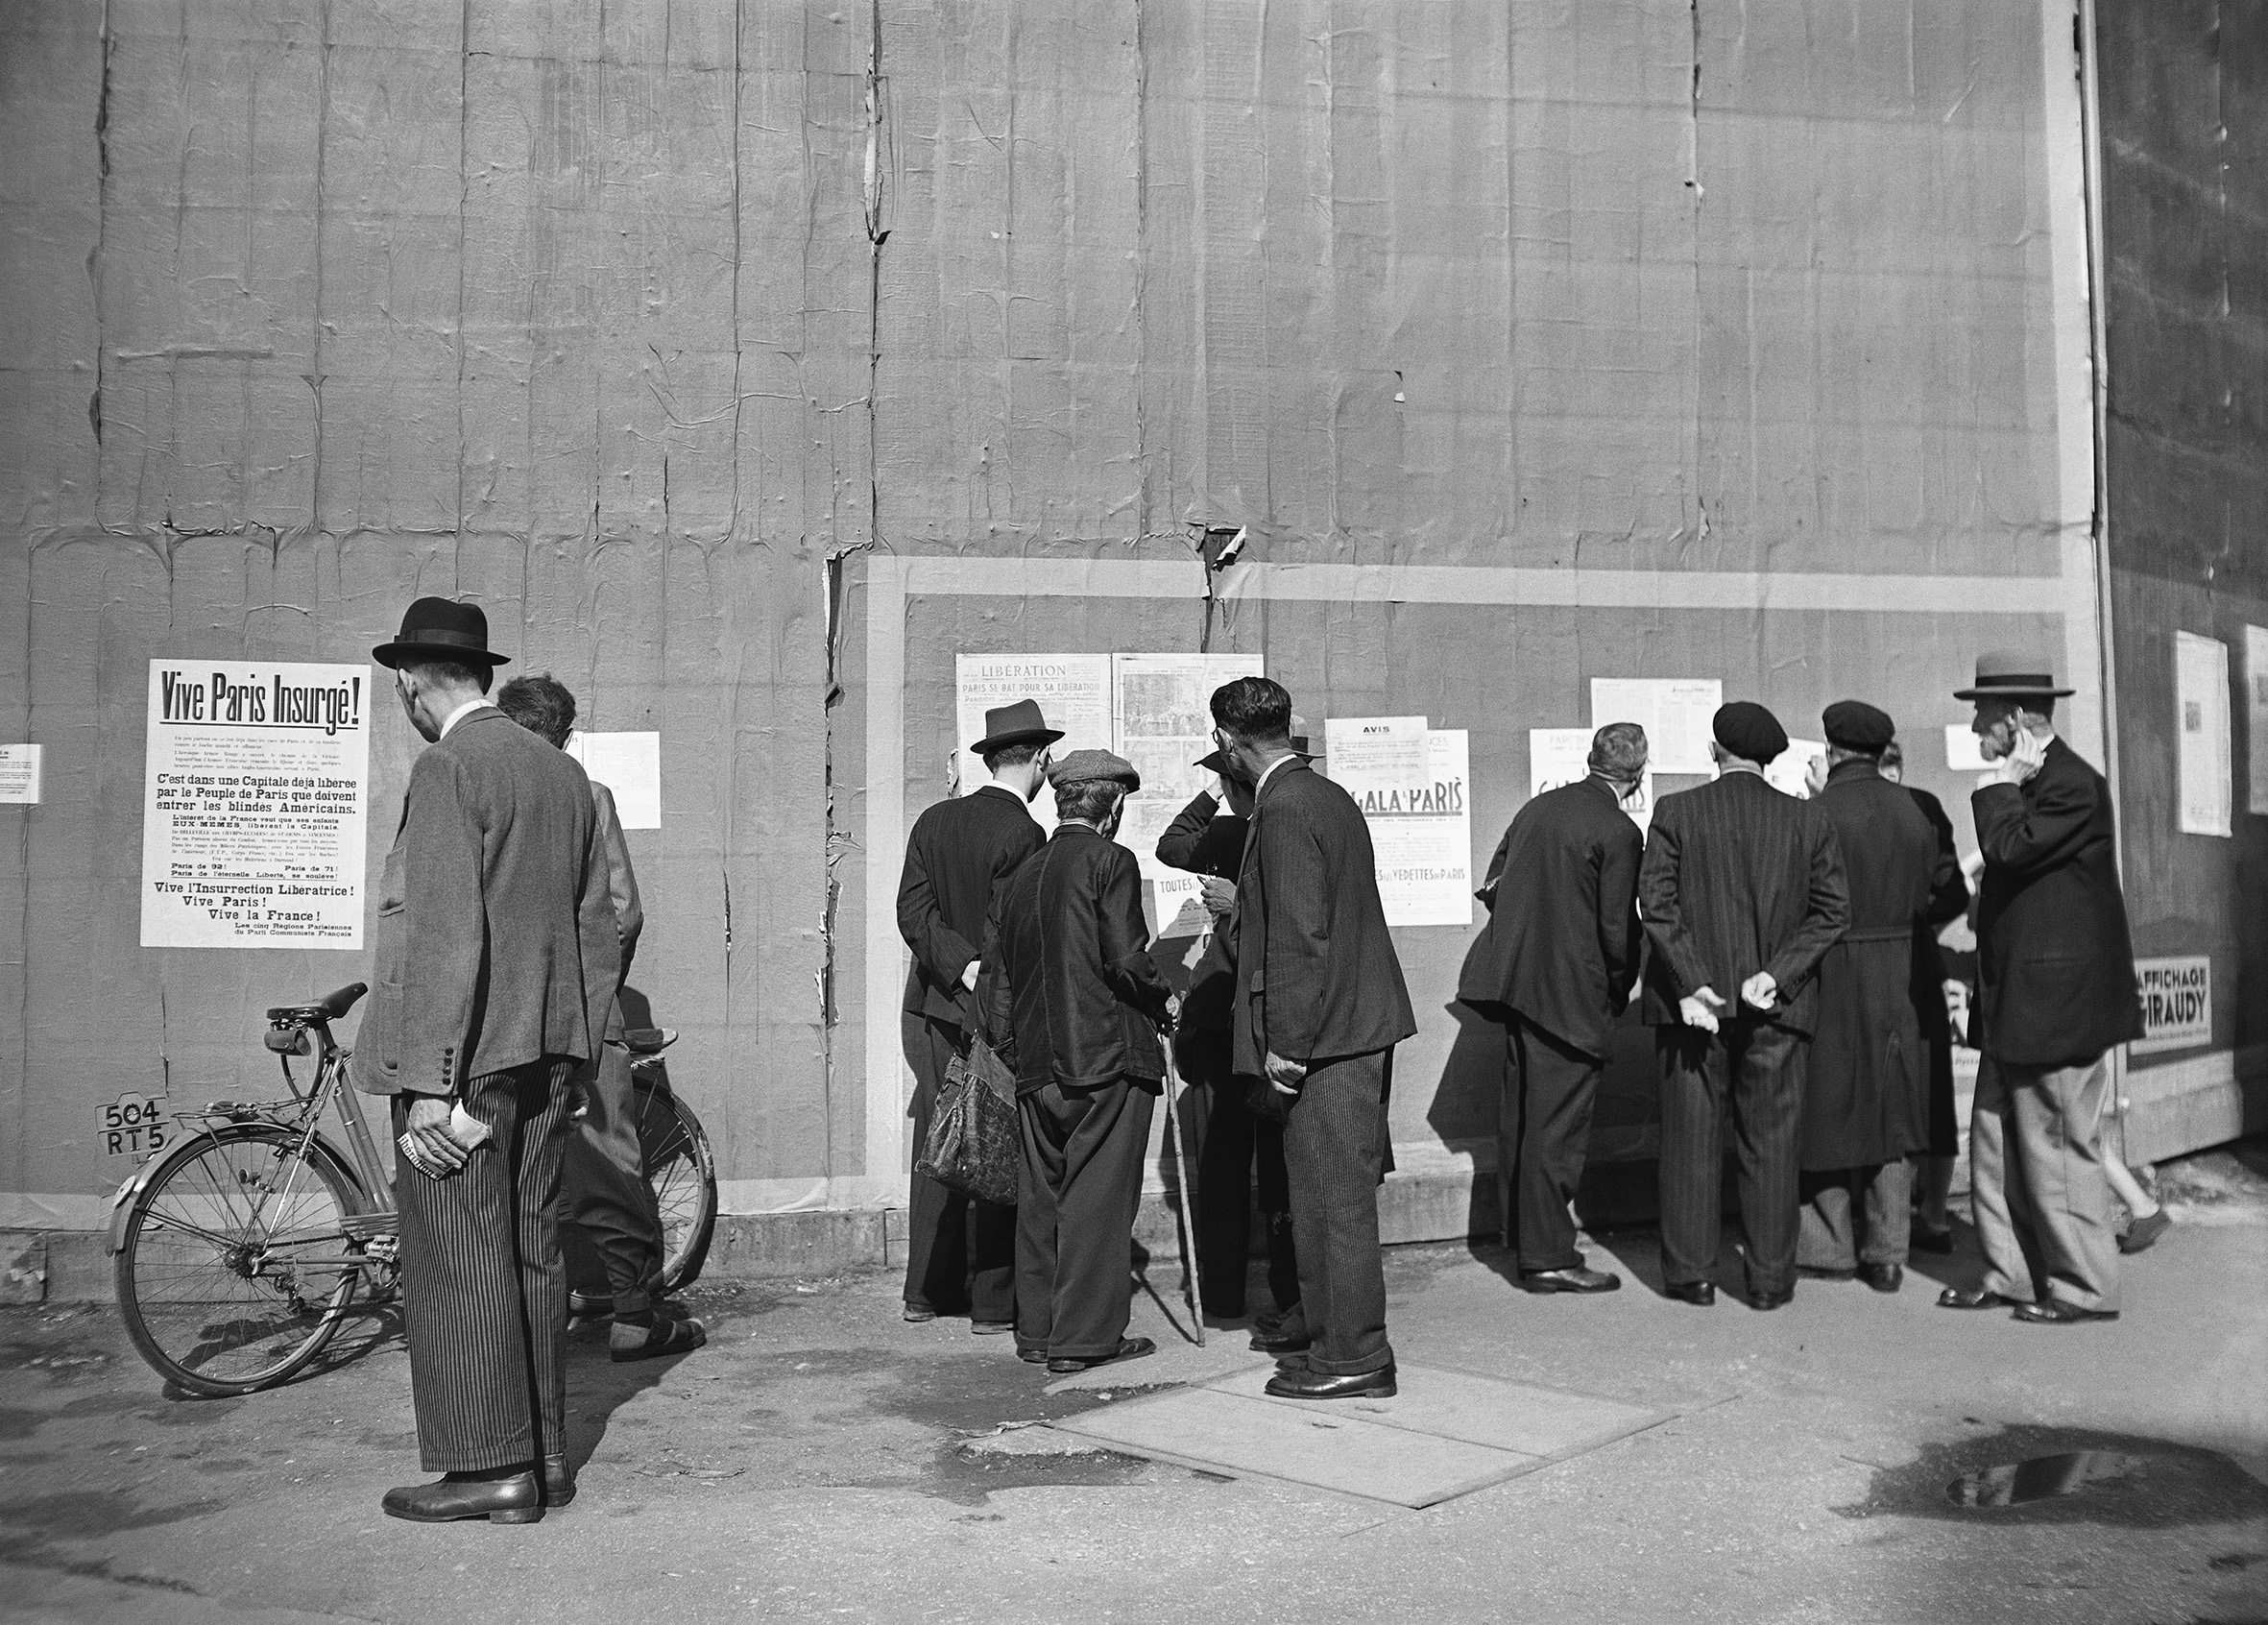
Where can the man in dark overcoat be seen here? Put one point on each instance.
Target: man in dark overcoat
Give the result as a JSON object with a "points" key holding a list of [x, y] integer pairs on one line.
{"points": [[961, 1252], [1556, 964], [1740, 891], [1207, 838], [1931, 1230], [494, 960], [1865, 1104], [2055, 991], [1321, 1005], [1073, 1003]]}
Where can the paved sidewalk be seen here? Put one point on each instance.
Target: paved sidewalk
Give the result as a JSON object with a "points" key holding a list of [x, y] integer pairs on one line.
{"points": [[821, 1459]]}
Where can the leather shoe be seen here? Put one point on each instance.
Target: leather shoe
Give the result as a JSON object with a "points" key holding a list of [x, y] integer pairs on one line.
{"points": [[1128, 1348], [1033, 1356], [2144, 1232], [1883, 1277], [1576, 1280], [917, 1315], [1306, 1384], [1964, 1298], [990, 1329], [558, 1482], [516, 1499], [627, 1342], [1932, 1238], [1700, 1294], [1769, 1301], [1280, 1342], [2055, 1312]]}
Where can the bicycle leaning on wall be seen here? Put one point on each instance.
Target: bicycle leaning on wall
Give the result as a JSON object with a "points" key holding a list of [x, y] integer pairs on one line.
{"points": [[242, 1247]]}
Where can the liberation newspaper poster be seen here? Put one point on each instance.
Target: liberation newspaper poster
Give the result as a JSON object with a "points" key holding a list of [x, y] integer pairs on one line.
{"points": [[256, 802], [1411, 783], [1073, 694]]}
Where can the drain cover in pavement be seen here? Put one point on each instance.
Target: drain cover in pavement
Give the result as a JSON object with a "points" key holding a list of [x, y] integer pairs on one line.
{"points": [[1446, 1433]]}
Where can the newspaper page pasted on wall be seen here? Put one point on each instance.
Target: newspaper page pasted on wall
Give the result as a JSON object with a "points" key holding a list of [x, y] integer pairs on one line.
{"points": [[254, 804], [1677, 714], [1410, 782]]}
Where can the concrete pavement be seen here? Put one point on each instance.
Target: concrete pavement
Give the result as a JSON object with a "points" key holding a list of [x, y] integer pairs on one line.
{"points": [[821, 1459]]}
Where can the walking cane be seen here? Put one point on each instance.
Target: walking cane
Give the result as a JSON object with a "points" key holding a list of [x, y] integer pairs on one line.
{"points": [[1185, 1221]]}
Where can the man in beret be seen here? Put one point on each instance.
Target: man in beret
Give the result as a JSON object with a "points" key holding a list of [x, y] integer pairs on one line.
{"points": [[1740, 891], [1073, 1001], [1865, 1104], [2055, 991], [960, 1253]]}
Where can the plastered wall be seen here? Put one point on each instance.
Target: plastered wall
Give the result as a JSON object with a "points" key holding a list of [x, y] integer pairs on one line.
{"points": [[676, 334]]}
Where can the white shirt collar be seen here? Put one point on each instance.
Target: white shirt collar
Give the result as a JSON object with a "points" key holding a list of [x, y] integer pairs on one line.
{"points": [[458, 716], [1269, 771]]}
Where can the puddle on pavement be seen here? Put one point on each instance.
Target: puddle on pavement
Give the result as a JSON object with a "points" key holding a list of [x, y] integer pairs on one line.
{"points": [[2068, 1472], [968, 1477]]}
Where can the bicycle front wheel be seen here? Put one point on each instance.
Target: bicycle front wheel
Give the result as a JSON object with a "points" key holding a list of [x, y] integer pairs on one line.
{"points": [[683, 1174], [236, 1267]]}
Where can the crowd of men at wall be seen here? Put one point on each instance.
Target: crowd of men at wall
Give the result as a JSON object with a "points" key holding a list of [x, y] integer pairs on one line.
{"points": [[1786, 951]]}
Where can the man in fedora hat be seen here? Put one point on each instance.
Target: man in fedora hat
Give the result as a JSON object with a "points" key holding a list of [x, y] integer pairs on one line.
{"points": [[1073, 1001], [960, 1252], [495, 954], [2055, 991]]}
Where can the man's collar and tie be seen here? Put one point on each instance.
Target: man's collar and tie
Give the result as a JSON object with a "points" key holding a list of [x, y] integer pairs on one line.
{"points": [[1269, 771]]}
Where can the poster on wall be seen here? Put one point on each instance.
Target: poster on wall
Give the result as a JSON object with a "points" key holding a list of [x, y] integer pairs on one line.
{"points": [[2177, 1003], [630, 766], [257, 782], [1411, 783], [2256, 717], [2201, 702], [1674, 712], [1162, 721], [20, 774], [1073, 691]]}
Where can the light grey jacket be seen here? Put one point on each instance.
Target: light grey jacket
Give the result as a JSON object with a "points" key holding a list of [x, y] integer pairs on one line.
{"points": [[495, 940]]}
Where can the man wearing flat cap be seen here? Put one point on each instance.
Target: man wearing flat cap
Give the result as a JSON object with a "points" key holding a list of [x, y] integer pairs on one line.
{"points": [[494, 956], [1866, 1101], [1073, 1001], [1740, 891], [1321, 1005], [960, 1253], [2055, 991]]}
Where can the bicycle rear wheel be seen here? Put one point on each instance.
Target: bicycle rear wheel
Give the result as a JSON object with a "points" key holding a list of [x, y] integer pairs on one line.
{"points": [[683, 1174], [235, 1267]]}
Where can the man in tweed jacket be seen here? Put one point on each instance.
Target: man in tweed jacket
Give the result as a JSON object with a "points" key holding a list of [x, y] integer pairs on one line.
{"points": [[494, 956]]}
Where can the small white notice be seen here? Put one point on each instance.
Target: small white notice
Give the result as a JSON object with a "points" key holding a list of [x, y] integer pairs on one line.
{"points": [[1410, 783], [2255, 717], [630, 766], [20, 774], [1785, 773], [2177, 1003], [1961, 752], [2201, 702], [254, 804], [1676, 712]]}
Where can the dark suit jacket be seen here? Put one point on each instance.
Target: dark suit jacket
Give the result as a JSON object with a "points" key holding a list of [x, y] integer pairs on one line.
{"points": [[1204, 841], [1561, 944], [2055, 963], [1866, 1101], [1069, 992], [1739, 879], [1316, 972], [495, 942], [959, 851]]}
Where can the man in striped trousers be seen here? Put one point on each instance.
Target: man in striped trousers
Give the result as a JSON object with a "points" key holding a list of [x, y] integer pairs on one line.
{"points": [[1741, 892], [494, 959]]}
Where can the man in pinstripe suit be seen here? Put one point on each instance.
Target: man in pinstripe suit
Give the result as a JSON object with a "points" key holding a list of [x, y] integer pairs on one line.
{"points": [[1741, 892], [495, 957]]}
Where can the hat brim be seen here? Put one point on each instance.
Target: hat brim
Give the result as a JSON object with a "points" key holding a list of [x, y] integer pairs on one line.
{"points": [[2013, 691], [391, 655], [1214, 763], [1020, 735]]}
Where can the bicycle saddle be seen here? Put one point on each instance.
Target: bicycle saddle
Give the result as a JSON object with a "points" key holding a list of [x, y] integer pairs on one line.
{"points": [[645, 1040], [329, 1008]]}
